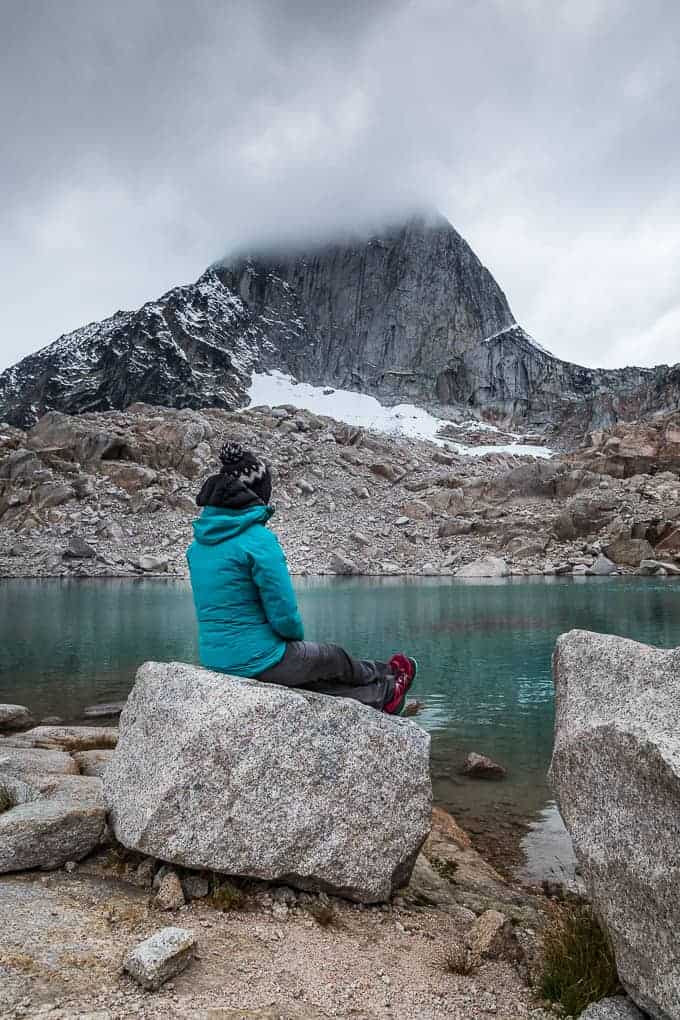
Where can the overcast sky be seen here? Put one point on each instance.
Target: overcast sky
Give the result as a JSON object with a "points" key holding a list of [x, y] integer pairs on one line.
{"points": [[142, 139]]}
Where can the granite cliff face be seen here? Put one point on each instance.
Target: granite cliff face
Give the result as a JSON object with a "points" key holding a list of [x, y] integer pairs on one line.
{"points": [[510, 378], [410, 314], [381, 316]]}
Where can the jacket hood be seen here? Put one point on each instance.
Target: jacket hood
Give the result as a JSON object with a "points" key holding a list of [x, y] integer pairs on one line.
{"points": [[217, 524]]}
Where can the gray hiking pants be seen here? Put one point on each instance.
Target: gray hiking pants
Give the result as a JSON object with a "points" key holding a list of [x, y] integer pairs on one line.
{"points": [[328, 669]]}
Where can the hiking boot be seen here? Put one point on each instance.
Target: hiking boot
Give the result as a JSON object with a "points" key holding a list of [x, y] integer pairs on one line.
{"points": [[405, 669], [401, 663]]}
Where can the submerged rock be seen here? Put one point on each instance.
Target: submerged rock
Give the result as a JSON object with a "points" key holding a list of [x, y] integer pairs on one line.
{"points": [[616, 771], [478, 766], [262, 781]]}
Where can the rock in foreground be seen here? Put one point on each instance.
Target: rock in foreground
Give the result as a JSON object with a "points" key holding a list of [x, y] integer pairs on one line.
{"points": [[251, 779], [164, 955], [616, 770]]}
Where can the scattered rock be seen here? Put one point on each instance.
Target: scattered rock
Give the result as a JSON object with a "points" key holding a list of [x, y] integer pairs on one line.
{"points": [[455, 526], [50, 495], [341, 564], [93, 763], [602, 567], [38, 831], [128, 475], [478, 766], [617, 1007], [617, 730], [488, 566], [153, 564], [650, 568], [491, 938], [169, 895], [144, 873], [74, 738], [195, 887], [388, 471], [428, 888], [78, 549], [14, 717], [110, 710], [161, 957], [25, 761], [629, 551], [275, 758], [416, 510]]}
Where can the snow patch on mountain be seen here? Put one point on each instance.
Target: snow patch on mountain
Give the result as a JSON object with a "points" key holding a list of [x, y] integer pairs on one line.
{"points": [[515, 332], [362, 411]]}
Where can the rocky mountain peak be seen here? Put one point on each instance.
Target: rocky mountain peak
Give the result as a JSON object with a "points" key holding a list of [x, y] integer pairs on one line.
{"points": [[407, 313], [381, 314]]}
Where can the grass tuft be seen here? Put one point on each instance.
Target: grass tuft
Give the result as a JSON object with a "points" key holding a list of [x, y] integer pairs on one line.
{"points": [[226, 896], [579, 965], [458, 960], [447, 869], [324, 914]]}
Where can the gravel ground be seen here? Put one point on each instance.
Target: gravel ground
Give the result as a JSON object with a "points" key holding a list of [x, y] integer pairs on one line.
{"points": [[65, 936]]}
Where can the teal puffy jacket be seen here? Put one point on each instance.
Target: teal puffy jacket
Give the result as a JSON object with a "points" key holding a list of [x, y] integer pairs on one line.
{"points": [[244, 598]]}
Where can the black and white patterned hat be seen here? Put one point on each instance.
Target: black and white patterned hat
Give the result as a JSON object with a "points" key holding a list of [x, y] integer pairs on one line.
{"points": [[245, 467]]}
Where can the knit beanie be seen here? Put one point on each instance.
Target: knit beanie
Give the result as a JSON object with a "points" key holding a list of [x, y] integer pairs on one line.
{"points": [[243, 466]]}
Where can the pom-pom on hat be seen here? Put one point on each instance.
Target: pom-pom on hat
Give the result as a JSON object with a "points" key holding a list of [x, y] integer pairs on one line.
{"points": [[245, 467]]}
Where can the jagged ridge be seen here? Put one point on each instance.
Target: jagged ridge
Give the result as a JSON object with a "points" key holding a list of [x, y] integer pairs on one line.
{"points": [[194, 347], [409, 314]]}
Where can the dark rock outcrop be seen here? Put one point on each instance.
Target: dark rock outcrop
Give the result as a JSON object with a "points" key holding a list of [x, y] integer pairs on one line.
{"points": [[194, 347]]}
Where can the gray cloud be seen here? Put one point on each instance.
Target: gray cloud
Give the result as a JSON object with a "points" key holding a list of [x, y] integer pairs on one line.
{"points": [[144, 139]]}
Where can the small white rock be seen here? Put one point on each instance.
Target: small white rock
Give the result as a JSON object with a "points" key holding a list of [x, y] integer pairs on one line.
{"points": [[161, 957]]}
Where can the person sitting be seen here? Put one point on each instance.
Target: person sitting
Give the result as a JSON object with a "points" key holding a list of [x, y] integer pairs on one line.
{"points": [[248, 619]]}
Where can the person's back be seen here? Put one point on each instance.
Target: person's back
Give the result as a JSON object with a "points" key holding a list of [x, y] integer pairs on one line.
{"points": [[248, 619], [231, 549]]}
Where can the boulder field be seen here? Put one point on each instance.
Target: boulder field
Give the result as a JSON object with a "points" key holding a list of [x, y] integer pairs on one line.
{"points": [[266, 782], [616, 771], [113, 494]]}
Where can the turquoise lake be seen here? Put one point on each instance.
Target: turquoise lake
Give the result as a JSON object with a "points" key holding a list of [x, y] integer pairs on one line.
{"points": [[484, 650]]}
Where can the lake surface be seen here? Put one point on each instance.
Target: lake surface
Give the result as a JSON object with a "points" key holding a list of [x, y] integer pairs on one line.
{"points": [[484, 650]]}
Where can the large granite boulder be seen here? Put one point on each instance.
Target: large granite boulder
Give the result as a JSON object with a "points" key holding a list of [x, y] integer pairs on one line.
{"points": [[616, 771], [250, 779]]}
